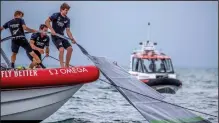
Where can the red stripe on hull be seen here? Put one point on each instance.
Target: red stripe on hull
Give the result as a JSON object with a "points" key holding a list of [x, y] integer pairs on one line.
{"points": [[144, 80], [49, 77]]}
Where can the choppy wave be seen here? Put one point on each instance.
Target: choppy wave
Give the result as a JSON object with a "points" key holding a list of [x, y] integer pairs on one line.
{"points": [[99, 102]]}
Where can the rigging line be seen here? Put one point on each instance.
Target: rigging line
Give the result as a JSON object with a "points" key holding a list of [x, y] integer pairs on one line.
{"points": [[10, 37], [58, 60], [5, 57], [14, 68], [157, 99], [43, 59], [3, 53], [149, 96], [6, 68], [87, 54]]}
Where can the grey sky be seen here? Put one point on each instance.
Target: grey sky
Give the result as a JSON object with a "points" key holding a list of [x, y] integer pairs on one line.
{"points": [[186, 31]]}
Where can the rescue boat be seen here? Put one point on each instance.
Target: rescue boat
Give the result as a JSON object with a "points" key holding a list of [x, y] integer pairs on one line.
{"points": [[37, 94], [154, 68]]}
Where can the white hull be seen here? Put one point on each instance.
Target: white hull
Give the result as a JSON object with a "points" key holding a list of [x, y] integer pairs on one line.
{"points": [[167, 88], [34, 104]]}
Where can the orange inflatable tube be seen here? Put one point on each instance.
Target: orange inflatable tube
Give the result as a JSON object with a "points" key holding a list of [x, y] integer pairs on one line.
{"points": [[48, 77]]}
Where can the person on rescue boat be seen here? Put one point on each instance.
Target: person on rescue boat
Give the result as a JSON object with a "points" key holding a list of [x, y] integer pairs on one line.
{"points": [[38, 41], [61, 22], [17, 27], [162, 68], [152, 67]]}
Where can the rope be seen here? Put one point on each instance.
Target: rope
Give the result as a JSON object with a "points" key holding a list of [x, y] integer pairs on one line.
{"points": [[157, 99], [149, 96]]}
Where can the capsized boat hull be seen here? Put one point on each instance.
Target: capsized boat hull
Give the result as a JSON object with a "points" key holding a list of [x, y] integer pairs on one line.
{"points": [[34, 104], [37, 94], [11, 79]]}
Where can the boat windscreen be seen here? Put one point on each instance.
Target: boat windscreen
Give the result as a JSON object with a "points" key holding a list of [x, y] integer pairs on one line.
{"points": [[152, 65]]}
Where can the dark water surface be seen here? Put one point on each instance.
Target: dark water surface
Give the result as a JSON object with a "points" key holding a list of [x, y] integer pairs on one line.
{"points": [[99, 102]]}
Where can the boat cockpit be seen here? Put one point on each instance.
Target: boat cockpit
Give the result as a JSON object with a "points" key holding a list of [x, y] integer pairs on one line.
{"points": [[152, 65]]}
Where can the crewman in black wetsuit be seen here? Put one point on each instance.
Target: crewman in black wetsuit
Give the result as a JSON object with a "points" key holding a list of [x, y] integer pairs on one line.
{"points": [[60, 22], [38, 41], [17, 27]]}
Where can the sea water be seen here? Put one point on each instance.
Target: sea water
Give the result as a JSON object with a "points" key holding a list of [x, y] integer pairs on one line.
{"points": [[99, 102]]}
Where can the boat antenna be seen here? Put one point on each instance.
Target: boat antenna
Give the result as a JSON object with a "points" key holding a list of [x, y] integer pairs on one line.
{"points": [[148, 34], [146, 43]]}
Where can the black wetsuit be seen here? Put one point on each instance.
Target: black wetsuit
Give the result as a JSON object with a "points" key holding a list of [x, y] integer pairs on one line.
{"points": [[59, 24], [39, 42]]}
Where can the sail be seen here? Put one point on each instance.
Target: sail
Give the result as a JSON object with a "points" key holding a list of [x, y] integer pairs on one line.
{"points": [[145, 99], [5, 57]]}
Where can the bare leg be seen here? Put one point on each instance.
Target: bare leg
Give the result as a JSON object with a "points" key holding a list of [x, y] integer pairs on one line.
{"points": [[33, 64], [13, 59], [61, 55], [68, 56], [35, 57]]}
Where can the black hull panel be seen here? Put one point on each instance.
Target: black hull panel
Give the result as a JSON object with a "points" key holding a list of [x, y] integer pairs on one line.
{"points": [[164, 81], [165, 85]]}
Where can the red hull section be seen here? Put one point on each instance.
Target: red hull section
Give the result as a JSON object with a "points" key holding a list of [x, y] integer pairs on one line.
{"points": [[144, 80], [48, 77]]}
